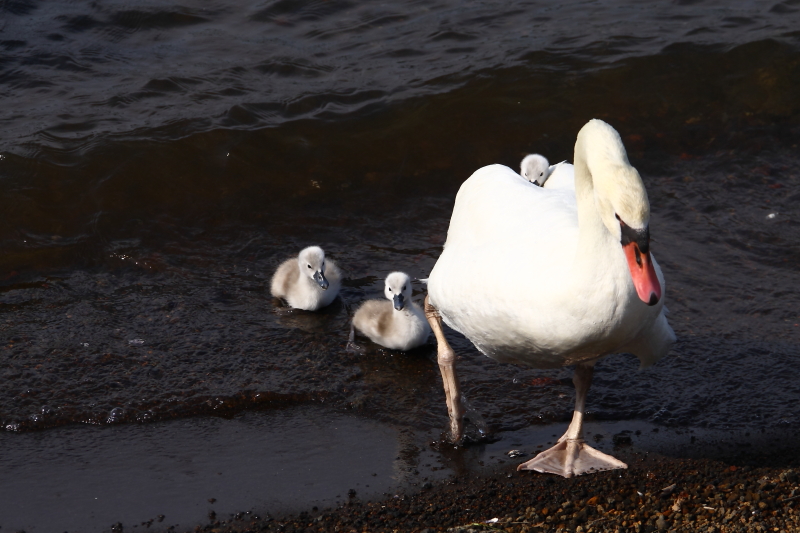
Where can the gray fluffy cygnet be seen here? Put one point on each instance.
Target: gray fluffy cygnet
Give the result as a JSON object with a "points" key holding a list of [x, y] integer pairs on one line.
{"points": [[308, 281], [397, 322], [536, 169]]}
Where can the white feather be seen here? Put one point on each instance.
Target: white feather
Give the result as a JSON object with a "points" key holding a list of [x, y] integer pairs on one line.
{"points": [[527, 283]]}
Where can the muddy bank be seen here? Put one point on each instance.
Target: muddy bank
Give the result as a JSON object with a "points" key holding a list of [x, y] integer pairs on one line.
{"points": [[752, 492]]}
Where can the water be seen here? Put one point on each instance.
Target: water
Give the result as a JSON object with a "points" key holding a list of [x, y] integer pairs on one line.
{"points": [[159, 161], [181, 473], [174, 474]]}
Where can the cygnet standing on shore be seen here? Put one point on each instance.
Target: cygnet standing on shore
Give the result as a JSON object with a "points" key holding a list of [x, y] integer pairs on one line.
{"points": [[399, 324], [536, 169], [308, 281]]}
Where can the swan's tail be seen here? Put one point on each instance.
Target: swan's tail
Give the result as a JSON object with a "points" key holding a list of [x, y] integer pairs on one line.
{"points": [[654, 344]]}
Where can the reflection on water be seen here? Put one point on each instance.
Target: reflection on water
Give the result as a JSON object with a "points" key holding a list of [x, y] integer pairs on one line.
{"points": [[159, 164]]}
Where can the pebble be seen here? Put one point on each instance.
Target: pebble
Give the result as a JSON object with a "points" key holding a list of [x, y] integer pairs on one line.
{"points": [[654, 494]]}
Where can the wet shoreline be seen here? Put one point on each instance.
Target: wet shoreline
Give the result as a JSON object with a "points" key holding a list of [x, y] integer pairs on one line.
{"points": [[270, 468], [726, 491]]}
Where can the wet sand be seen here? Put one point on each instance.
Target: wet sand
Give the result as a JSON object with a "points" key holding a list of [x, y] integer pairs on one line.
{"points": [[756, 491], [284, 470]]}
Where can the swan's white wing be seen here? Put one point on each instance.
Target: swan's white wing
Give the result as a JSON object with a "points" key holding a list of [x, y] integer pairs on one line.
{"points": [[562, 177], [522, 224], [512, 279], [508, 256]]}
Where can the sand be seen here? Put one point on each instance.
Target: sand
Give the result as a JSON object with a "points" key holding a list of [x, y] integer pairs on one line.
{"points": [[656, 493]]}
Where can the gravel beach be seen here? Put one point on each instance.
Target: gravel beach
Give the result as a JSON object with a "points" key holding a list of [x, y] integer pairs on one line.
{"points": [[738, 493]]}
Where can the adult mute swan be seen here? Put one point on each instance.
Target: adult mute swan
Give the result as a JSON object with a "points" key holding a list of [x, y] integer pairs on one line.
{"points": [[580, 287], [397, 322], [302, 281]]}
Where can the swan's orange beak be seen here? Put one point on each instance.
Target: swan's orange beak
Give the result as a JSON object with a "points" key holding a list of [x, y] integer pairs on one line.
{"points": [[643, 274]]}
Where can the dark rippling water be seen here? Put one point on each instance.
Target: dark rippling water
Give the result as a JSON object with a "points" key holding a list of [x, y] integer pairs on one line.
{"points": [[159, 160]]}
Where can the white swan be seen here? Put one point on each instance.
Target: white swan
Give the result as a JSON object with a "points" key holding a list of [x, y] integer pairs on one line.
{"points": [[397, 322], [536, 169], [584, 285], [562, 176], [307, 281]]}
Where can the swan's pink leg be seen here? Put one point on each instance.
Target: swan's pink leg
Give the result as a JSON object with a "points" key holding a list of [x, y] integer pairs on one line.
{"points": [[447, 365], [571, 456]]}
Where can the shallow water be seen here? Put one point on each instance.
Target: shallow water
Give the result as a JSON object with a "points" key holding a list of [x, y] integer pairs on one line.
{"points": [[159, 162], [174, 474]]}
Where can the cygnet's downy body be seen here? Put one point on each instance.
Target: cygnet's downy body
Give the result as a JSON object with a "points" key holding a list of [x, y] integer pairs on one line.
{"points": [[309, 281], [397, 322], [536, 169]]}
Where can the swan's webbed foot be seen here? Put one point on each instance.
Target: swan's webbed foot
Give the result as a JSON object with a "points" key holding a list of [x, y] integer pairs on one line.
{"points": [[572, 457]]}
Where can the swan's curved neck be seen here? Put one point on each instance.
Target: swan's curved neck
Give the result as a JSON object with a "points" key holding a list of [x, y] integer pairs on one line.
{"points": [[594, 236]]}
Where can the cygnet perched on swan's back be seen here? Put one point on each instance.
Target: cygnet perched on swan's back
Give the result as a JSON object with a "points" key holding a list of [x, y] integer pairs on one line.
{"points": [[307, 281], [398, 324], [536, 169]]}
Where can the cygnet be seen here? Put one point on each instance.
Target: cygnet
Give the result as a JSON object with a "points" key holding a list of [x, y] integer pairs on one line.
{"points": [[308, 281], [536, 169], [398, 324]]}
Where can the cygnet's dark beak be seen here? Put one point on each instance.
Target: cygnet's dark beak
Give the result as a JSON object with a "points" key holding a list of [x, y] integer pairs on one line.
{"points": [[319, 277], [399, 302]]}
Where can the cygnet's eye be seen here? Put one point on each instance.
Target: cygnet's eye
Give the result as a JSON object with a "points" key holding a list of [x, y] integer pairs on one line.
{"points": [[541, 173], [404, 288], [309, 266], [526, 174], [390, 289]]}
